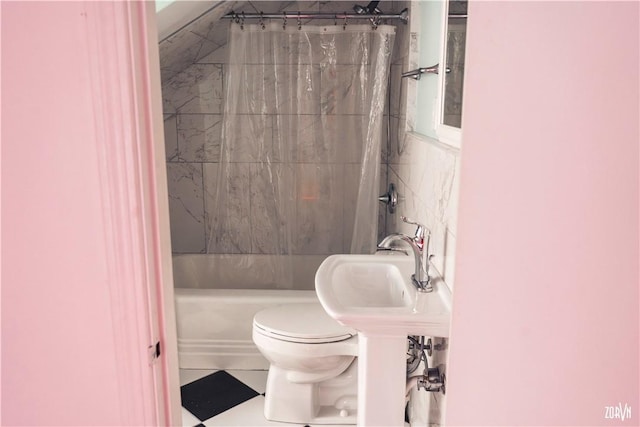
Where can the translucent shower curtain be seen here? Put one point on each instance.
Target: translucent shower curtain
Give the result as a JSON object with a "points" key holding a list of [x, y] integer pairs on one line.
{"points": [[301, 143]]}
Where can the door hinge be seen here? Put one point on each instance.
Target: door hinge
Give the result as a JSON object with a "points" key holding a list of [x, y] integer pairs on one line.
{"points": [[154, 352]]}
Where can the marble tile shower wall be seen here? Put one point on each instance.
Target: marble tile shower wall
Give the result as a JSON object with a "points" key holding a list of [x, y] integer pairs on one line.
{"points": [[193, 97]]}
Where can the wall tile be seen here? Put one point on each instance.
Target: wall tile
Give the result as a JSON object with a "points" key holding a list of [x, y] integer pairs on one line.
{"points": [[343, 92], [186, 207], [272, 207], [254, 47], [436, 178], [296, 48], [392, 142], [352, 172], [401, 48], [319, 221], [299, 48], [402, 145], [299, 138], [258, 94], [450, 210], [250, 138], [303, 97], [386, 139], [278, 6], [448, 272], [254, 86], [199, 137], [350, 194], [320, 138], [208, 29], [227, 223], [197, 90], [220, 33], [348, 48], [345, 135], [180, 51], [398, 90], [218, 56], [171, 138], [438, 242]]}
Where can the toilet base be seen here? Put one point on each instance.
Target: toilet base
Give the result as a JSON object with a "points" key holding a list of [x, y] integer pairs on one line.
{"points": [[332, 401]]}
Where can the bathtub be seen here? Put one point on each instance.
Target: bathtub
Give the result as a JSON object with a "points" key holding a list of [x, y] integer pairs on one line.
{"points": [[215, 312]]}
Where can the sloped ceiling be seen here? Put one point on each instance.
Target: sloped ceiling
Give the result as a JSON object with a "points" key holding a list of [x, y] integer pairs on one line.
{"points": [[190, 30], [177, 14], [187, 32]]}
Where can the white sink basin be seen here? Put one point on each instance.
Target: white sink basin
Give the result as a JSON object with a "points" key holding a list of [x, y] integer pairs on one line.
{"points": [[363, 284], [374, 295]]}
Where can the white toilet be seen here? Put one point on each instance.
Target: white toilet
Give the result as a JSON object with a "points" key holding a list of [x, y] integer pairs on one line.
{"points": [[313, 372]]}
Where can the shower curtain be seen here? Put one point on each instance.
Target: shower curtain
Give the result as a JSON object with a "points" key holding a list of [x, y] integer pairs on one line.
{"points": [[301, 143]]}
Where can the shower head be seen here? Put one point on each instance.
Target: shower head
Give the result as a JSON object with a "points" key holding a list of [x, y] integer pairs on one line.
{"points": [[359, 9], [372, 7]]}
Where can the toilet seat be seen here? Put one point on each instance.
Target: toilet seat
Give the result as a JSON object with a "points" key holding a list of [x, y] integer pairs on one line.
{"points": [[300, 323]]}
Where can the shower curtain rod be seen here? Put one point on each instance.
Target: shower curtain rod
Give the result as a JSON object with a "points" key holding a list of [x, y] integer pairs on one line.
{"points": [[402, 16]]}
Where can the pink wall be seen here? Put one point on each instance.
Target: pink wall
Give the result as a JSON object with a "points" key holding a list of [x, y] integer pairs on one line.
{"points": [[55, 307], [75, 314], [545, 322]]}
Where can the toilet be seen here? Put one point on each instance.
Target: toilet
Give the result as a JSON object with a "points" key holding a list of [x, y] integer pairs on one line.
{"points": [[313, 365]]}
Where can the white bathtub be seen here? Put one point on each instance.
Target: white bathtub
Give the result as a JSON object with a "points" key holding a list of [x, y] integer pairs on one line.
{"points": [[215, 316]]}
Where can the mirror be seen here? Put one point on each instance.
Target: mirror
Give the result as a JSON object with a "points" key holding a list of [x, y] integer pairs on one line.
{"points": [[455, 33], [439, 33]]}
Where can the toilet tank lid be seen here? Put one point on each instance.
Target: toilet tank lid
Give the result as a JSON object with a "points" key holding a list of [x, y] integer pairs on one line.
{"points": [[301, 322]]}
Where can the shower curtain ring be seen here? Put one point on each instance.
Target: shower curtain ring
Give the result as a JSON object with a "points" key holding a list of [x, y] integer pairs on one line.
{"points": [[242, 22], [375, 22], [262, 21], [299, 22], [344, 27], [284, 20]]}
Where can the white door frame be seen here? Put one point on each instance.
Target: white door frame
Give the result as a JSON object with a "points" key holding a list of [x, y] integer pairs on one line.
{"points": [[126, 89]]}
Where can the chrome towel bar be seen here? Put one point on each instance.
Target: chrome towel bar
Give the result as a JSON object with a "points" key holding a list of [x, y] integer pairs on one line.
{"points": [[415, 74]]}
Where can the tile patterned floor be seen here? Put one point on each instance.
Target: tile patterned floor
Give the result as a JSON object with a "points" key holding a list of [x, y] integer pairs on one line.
{"points": [[224, 398]]}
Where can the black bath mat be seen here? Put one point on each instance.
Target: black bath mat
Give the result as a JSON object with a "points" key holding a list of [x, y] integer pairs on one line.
{"points": [[214, 394]]}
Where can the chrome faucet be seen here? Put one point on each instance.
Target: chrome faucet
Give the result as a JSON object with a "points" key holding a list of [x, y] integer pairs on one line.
{"points": [[420, 247]]}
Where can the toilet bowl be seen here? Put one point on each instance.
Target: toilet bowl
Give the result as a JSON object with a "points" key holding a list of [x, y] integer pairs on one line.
{"points": [[313, 365]]}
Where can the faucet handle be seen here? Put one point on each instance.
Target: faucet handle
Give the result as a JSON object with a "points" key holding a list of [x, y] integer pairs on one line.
{"points": [[410, 221], [421, 232]]}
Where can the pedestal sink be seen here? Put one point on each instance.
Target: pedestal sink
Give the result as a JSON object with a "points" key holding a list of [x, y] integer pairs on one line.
{"points": [[373, 294]]}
